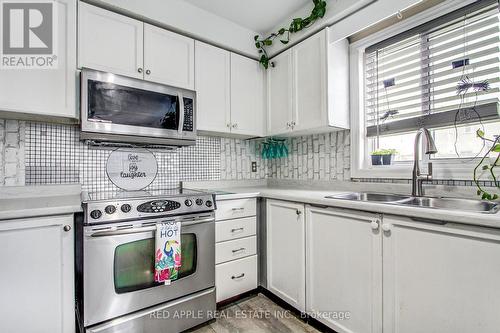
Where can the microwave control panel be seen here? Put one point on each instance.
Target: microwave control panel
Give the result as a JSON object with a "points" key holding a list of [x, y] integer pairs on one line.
{"points": [[188, 115]]}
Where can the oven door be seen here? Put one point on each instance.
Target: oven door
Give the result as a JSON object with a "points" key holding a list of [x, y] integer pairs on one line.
{"points": [[117, 105], [119, 266]]}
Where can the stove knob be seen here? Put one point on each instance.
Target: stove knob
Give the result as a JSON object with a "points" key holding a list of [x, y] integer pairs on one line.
{"points": [[95, 214], [110, 209], [188, 203], [126, 208], [208, 203], [199, 202]]}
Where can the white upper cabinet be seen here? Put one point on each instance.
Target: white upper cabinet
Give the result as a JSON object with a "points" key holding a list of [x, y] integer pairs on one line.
{"points": [[110, 42], [308, 89], [247, 96], [344, 268], [213, 81], [280, 94], [168, 57], [286, 249], [117, 44], [46, 92], [440, 278], [230, 93]]}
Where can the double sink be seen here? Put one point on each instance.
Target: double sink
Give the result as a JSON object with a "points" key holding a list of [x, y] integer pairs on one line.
{"points": [[465, 205]]}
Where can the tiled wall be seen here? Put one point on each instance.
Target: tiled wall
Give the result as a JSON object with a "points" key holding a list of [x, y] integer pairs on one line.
{"points": [[11, 152], [41, 153], [318, 157]]}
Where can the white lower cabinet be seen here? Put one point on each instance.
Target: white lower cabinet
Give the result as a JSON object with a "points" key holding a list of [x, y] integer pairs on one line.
{"points": [[236, 248], [344, 269], [285, 244], [37, 279], [440, 278]]}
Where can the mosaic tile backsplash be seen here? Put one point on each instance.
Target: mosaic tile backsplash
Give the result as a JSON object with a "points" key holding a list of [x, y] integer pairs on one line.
{"points": [[42, 153]]}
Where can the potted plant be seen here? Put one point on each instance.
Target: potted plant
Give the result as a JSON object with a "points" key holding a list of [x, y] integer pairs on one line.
{"points": [[383, 156]]}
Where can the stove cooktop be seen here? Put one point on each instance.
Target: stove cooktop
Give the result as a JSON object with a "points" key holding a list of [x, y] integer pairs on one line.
{"points": [[115, 206]]}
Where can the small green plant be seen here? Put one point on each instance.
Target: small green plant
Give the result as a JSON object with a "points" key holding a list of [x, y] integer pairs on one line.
{"points": [[297, 24], [382, 152], [486, 166]]}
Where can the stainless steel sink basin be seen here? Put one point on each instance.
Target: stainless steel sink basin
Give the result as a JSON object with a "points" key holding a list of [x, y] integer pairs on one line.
{"points": [[463, 205], [370, 197]]}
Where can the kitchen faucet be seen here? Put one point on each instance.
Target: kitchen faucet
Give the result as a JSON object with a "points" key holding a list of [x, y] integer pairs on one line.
{"points": [[417, 189]]}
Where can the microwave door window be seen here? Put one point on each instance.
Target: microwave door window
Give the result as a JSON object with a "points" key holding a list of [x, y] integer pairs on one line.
{"points": [[116, 104]]}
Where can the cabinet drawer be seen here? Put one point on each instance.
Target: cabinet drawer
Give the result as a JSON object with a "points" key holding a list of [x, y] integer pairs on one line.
{"points": [[234, 229], [235, 277], [233, 209], [235, 249]]}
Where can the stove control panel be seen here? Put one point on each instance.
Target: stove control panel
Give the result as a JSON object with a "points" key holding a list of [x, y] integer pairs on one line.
{"points": [[97, 212], [158, 206]]}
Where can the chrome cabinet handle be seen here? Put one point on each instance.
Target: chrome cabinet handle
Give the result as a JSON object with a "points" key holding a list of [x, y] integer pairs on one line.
{"points": [[387, 227], [288, 125], [67, 228], [235, 125], [139, 70], [238, 277], [148, 72], [228, 125], [298, 212], [237, 229], [374, 225], [239, 250], [237, 209]]}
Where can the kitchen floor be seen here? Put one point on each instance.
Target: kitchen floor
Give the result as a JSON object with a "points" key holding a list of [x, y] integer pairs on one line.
{"points": [[257, 314]]}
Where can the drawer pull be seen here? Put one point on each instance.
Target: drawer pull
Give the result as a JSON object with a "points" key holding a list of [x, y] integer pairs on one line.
{"points": [[239, 250], [238, 209], [237, 229], [238, 277]]}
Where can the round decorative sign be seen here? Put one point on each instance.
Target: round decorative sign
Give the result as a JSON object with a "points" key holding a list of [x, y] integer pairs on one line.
{"points": [[131, 169]]}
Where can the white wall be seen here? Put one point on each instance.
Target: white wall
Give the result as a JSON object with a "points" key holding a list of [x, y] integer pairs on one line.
{"points": [[182, 17], [346, 17]]}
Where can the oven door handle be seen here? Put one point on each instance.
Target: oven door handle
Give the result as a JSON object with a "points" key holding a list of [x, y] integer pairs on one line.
{"points": [[181, 112], [144, 229]]}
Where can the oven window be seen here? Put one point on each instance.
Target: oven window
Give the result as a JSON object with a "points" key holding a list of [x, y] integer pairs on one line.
{"points": [[134, 263], [109, 102]]}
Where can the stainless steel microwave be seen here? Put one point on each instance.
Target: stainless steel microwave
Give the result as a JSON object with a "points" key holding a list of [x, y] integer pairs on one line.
{"points": [[119, 109]]}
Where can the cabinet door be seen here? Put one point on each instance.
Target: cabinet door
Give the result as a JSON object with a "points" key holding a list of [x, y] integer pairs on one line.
{"points": [[37, 280], [344, 269], [310, 74], [280, 94], [109, 42], [212, 88], [168, 57], [286, 252], [247, 96], [440, 278], [47, 92]]}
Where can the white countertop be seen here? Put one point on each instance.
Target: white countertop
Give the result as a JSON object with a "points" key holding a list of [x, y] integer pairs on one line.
{"points": [[317, 197], [31, 201]]}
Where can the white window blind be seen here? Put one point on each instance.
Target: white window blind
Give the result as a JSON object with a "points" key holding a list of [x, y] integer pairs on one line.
{"points": [[412, 79]]}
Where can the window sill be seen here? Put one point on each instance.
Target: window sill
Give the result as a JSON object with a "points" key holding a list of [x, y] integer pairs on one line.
{"points": [[441, 170]]}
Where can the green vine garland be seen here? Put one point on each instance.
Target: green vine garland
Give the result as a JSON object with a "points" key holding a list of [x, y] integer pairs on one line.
{"points": [[495, 148], [297, 24]]}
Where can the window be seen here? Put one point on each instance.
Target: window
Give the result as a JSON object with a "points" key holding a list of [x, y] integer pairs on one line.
{"points": [[412, 80]]}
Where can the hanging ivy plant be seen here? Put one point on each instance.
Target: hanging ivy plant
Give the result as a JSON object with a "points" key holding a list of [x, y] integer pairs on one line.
{"points": [[488, 166], [296, 25]]}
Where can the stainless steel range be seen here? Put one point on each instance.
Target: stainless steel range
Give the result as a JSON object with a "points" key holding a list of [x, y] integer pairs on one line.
{"points": [[117, 262]]}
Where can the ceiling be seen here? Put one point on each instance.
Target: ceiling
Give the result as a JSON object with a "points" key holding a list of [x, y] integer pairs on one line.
{"points": [[257, 15]]}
